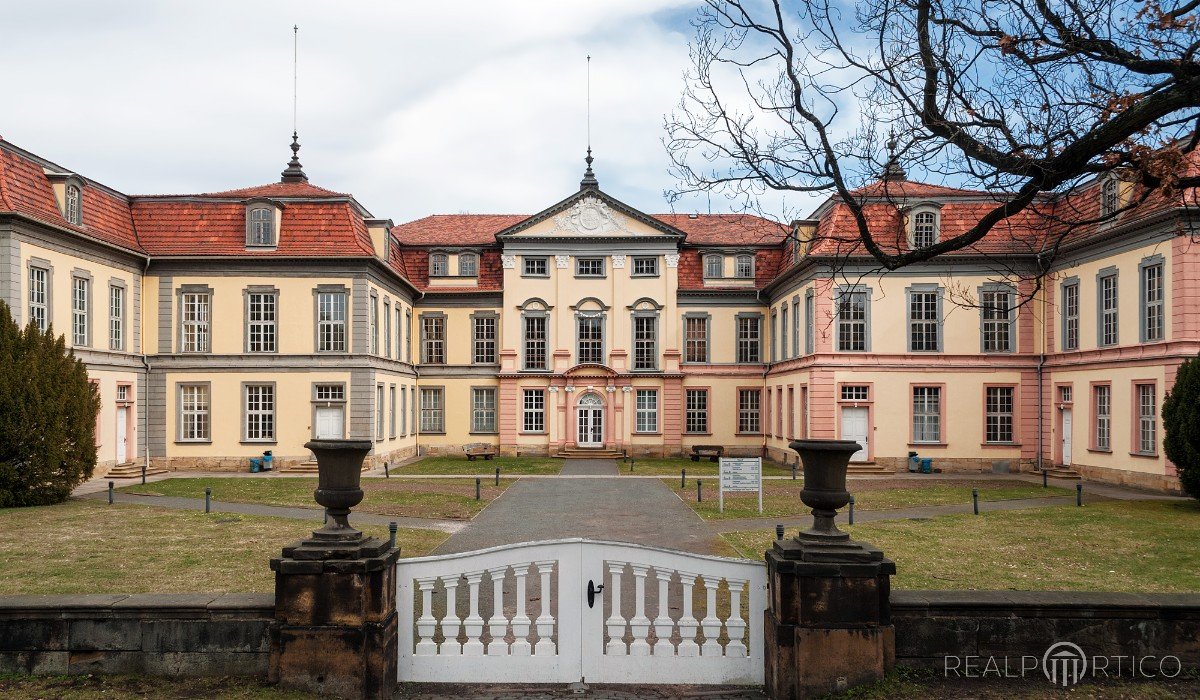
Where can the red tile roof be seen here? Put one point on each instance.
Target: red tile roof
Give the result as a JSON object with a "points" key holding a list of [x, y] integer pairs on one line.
{"points": [[726, 229], [456, 229], [413, 264]]}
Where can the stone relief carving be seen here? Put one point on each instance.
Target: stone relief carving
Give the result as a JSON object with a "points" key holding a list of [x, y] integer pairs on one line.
{"points": [[618, 262], [562, 262], [672, 259], [508, 261], [588, 216]]}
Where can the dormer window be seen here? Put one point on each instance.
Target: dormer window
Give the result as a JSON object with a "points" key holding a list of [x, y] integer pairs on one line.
{"points": [[439, 265], [925, 229], [1110, 196], [260, 226], [745, 266], [468, 265], [73, 211], [713, 265]]}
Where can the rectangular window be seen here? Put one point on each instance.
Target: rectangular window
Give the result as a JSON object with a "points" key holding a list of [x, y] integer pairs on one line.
{"points": [[647, 411], [923, 323], [195, 319], [331, 392], [783, 332], [387, 328], [999, 414], [193, 413], [1147, 425], [749, 410], [996, 313], [696, 418], [80, 292], [374, 326], [645, 342], [485, 340], [1070, 316], [927, 414], [856, 393], [483, 410], [39, 297], [433, 339], [331, 322], [1152, 302], [774, 334], [1108, 310], [439, 265], [260, 413], [810, 323], [403, 411], [378, 411], [122, 392], [535, 342], [589, 267], [399, 332], [392, 411], [749, 339], [468, 265], [645, 267], [1102, 401], [261, 321], [695, 333], [852, 321], [534, 413], [534, 267], [714, 266], [433, 410], [591, 339], [116, 318]]}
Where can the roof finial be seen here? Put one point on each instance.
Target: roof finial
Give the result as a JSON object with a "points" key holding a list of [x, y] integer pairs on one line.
{"points": [[892, 170], [589, 180], [294, 172]]}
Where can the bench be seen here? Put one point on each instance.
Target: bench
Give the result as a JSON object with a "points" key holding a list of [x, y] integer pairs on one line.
{"points": [[479, 449], [712, 452]]}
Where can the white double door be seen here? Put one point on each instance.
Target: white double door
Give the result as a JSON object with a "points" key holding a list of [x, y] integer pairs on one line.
{"points": [[331, 422], [122, 434], [1066, 436], [591, 426], [855, 426]]}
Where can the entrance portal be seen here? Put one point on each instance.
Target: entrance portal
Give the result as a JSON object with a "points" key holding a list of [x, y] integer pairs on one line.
{"points": [[591, 421]]}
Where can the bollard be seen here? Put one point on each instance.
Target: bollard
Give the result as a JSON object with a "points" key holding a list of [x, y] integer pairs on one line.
{"points": [[794, 468], [110, 493], [207, 499], [1045, 483], [975, 500], [477, 480], [683, 478], [392, 535], [699, 493], [386, 473], [779, 532], [1079, 494], [631, 463], [143, 475], [497, 476], [851, 509]]}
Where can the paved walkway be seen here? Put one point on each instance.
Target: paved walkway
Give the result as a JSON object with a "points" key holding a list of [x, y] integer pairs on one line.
{"points": [[429, 691], [297, 513], [627, 510]]}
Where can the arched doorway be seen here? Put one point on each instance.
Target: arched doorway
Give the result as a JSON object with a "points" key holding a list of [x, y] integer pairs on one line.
{"points": [[590, 421]]}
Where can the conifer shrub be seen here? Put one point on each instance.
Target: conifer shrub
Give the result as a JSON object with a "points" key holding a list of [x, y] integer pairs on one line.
{"points": [[1181, 425], [47, 416]]}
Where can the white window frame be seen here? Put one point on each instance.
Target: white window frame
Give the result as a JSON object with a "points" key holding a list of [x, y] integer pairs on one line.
{"points": [[81, 293], [196, 322], [533, 410], [926, 414], [433, 409], [39, 297], [332, 328], [646, 411], [258, 412], [116, 317], [1146, 396], [743, 266], [999, 422], [195, 413], [695, 420], [262, 321], [483, 410]]}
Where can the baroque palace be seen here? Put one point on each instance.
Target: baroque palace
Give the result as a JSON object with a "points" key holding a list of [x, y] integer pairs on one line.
{"points": [[220, 325]]}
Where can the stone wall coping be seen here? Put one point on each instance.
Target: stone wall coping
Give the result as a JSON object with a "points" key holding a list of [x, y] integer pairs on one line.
{"points": [[1044, 603], [159, 604]]}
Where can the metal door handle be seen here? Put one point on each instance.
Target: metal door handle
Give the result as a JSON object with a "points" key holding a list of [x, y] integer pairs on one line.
{"points": [[593, 591]]}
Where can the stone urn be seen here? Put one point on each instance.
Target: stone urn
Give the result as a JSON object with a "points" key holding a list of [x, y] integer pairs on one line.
{"points": [[339, 478], [825, 465]]}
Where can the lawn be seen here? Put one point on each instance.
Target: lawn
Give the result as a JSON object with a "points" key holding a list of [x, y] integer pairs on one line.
{"points": [[782, 498], [1136, 546], [930, 684], [101, 687], [458, 464], [85, 546], [443, 499], [670, 466]]}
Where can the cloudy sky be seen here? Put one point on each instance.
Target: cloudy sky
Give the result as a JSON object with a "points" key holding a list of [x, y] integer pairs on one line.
{"points": [[415, 108]]}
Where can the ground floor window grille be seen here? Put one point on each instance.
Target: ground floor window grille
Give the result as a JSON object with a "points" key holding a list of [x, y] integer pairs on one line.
{"points": [[999, 416], [647, 411], [696, 420], [433, 413], [534, 419]]}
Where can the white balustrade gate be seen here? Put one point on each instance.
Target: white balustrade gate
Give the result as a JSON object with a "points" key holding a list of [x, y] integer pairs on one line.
{"points": [[523, 613]]}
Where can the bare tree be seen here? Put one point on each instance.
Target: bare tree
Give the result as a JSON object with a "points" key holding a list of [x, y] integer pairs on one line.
{"points": [[1024, 99]]}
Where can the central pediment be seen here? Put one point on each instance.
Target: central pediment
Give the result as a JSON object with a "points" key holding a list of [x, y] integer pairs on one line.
{"points": [[589, 214]]}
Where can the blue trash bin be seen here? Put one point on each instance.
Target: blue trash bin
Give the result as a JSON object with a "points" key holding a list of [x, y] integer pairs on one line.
{"points": [[256, 464], [926, 465]]}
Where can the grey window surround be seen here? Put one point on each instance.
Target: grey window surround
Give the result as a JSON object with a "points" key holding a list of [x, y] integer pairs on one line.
{"points": [[708, 261], [590, 260], [345, 323], [535, 309], [1101, 276], [774, 334], [914, 212], [201, 289], [940, 319], [645, 309], [436, 258], [399, 312], [392, 411], [251, 212], [473, 258], [118, 343], [380, 409], [408, 318], [705, 342], [752, 345], [867, 293], [489, 345], [652, 259], [527, 260], [245, 392], [430, 344], [373, 323], [598, 316], [1145, 264], [434, 410], [783, 331], [179, 386], [810, 322], [327, 403], [1012, 318], [48, 307], [387, 327], [403, 410], [1069, 282], [73, 217], [86, 277], [476, 427], [247, 293], [1110, 195], [737, 266], [796, 325]]}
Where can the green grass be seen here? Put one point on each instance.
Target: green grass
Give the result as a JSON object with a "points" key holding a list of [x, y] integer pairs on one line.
{"points": [[904, 683], [85, 546], [670, 466], [99, 687], [782, 498], [458, 464], [445, 499], [1137, 546]]}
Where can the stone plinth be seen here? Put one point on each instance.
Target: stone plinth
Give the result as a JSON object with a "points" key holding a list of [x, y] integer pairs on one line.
{"points": [[335, 612], [828, 623]]}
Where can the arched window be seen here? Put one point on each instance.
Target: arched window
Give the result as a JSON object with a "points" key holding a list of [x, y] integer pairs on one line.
{"points": [[590, 321], [745, 266], [1110, 196], [74, 210], [925, 229], [439, 265], [468, 265], [260, 227], [713, 265]]}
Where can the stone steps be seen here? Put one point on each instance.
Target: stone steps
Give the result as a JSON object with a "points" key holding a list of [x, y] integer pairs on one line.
{"points": [[1064, 473], [577, 453], [869, 470], [129, 470]]}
